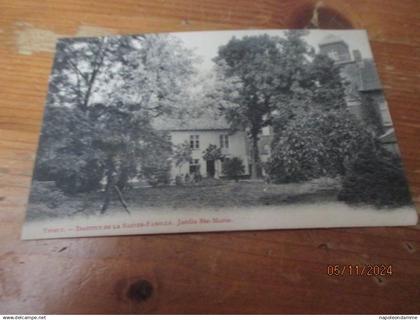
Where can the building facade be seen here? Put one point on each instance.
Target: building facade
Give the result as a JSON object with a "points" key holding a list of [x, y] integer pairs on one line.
{"points": [[201, 133], [231, 144]]}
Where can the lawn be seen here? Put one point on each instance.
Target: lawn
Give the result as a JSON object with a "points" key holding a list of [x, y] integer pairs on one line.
{"points": [[231, 194], [48, 202]]}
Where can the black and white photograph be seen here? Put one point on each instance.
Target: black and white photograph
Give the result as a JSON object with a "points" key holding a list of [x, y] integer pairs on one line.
{"points": [[215, 131]]}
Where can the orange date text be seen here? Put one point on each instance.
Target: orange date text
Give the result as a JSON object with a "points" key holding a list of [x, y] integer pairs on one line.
{"points": [[337, 270]]}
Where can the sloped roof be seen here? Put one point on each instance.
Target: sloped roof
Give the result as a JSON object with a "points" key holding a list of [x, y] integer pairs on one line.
{"points": [[204, 122], [331, 38]]}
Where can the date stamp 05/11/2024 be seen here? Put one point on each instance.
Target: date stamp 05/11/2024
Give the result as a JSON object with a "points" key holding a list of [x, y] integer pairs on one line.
{"points": [[367, 270]]}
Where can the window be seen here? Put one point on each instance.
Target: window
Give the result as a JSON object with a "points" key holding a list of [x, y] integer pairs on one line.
{"points": [[194, 166], [195, 142], [224, 141]]}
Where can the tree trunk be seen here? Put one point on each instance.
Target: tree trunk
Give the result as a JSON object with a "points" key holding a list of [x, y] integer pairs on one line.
{"points": [[255, 159], [113, 185], [121, 198], [98, 64], [108, 195], [123, 178], [110, 183]]}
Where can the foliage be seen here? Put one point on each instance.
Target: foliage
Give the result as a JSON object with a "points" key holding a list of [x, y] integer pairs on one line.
{"points": [[182, 153], [157, 174], [155, 166], [323, 81], [233, 168], [247, 65], [179, 180], [320, 88], [270, 80], [315, 144], [149, 70], [375, 177], [213, 152], [371, 115], [64, 155], [104, 94], [314, 133], [46, 192]]}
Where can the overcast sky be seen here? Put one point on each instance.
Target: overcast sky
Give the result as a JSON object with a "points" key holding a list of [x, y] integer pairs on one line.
{"points": [[207, 43]]}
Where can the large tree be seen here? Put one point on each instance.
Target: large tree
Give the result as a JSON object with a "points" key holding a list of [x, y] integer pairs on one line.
{"points": [[104, 95], [282, 82], [315, 134], [264, 71]]}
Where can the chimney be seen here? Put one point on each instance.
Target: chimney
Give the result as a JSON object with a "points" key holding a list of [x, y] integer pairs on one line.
{"points": [[357, 55]]}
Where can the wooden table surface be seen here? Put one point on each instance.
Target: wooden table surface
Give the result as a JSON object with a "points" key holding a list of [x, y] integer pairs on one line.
{"points": [[231, 272]]}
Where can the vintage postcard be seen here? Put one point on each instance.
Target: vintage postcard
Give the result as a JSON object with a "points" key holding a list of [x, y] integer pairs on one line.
{"points": [[211, 131]]}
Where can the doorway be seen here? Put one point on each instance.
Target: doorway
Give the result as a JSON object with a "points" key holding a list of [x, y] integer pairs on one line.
{"points": [[210, 168]]}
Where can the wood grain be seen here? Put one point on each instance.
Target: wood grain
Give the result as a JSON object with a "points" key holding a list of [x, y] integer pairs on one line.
{"points": [[232, 272]]}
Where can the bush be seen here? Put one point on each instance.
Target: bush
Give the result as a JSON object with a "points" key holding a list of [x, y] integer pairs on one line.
{"points": [[233, 168], [157, 174], [46, 192], [73, 176], [315, 144], [376, 178], [179, 180], [77, 179], [213, 152]]}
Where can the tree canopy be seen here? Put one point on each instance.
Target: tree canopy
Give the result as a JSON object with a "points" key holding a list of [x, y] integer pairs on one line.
{"points": [[104, 94], [266, 80], [316, 144]]}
